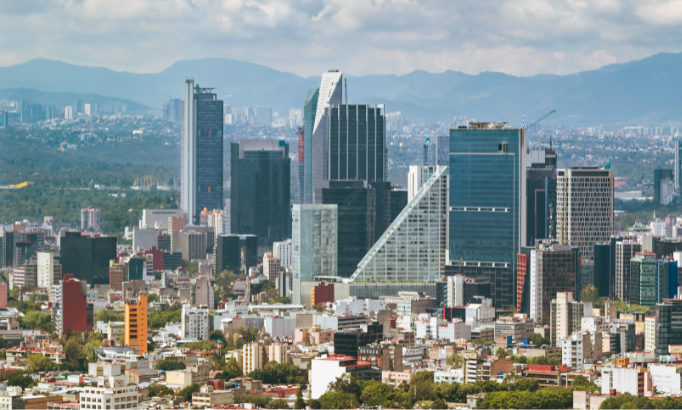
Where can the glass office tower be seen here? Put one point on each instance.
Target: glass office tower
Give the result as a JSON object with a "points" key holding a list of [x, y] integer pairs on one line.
{"points": [[309, 110], [487, 211], [260, 191]]}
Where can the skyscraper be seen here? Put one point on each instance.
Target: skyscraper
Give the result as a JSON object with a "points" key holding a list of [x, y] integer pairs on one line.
{"points": [[356, 202], [172, 110], [648, 279], [540, 196], [602, 270], [437, 151], [201, 152], [136, 324], [87, 258], [357, 142], [71, 306], [260, 190], [668, 329], [90, 219], [678, 163], [487, 210], [301, 165], [330, 94], [584, 208], [228, 252], [625, 251], [413, 247], [315, 244], [310, 111], [661, 176]]}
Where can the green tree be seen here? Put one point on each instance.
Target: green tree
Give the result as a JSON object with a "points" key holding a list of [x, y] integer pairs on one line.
{"points": [[39, 363], [152, 297], [339, 400], [217, 335], [376, 394], [158, 390], [74, 354], [158, 320], [3, 344], [169, 364], [455, 360], [299, 403], [278, 404], [108, 316], [314, 404], [501, 352], [36, 319], [538, 340], [20, 380], [187, 392], [259, 401], [345, 384], [589, 294], [90, 350], [232, 369], [628, 401]]}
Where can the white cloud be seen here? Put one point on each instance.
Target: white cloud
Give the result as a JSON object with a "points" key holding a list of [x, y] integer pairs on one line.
{"points": [[520, 37]]}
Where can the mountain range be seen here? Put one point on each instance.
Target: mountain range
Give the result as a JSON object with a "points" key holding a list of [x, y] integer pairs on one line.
{"points": [[642, 92]]}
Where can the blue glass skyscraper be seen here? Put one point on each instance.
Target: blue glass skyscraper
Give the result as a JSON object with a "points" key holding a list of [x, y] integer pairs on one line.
{"points": [[309, 110], [487, 206]]}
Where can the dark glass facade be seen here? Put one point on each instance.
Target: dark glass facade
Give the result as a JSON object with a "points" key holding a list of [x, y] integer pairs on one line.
{"points": [[357, 143], [486, 168], [87, 258], [541, 204], [602, 270], [228, 255], [398, 202], [356, 203], [209, 153], [309, 112], [260, 192], [668, 325]]}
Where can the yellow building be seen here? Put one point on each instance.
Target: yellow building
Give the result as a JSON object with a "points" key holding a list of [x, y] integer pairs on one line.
{"points": [[136, 324], [254, 357]]}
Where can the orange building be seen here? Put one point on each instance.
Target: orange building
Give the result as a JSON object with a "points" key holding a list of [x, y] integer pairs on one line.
{"points": [[136, 324]]}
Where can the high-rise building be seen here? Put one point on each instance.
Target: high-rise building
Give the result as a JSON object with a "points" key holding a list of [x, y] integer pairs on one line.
{"points": [[78, 107], [330, 94], [566, 316], [602, 271], [3, 295], [172, 110], [116, 276], [315, 239], [301, 165], [194, 323], [263, 116], [356, 202], [87, 258], [283, 251], [661, 192], [90, 219], [401, 256], [540, 196], [260, 190], [487, 208], [136, 324], [68, 113], [357, 142], [678, 163], [552, 268], [272, 266], [71, 306], [254, 357], [667, 325], [437, 151], [203, 292], [625, 251], [4, 120], [49, 271], [295, 117], [193, 244], [310, 110], [87, 109], [201, 152], [649, 279], [228, 252], [584, 208]]}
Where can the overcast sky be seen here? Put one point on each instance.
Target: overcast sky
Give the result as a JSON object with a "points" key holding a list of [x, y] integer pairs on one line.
{"points": [[359, 37]]}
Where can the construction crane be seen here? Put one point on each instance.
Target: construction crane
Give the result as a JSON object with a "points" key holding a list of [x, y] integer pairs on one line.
{"points": [[541, 118]]}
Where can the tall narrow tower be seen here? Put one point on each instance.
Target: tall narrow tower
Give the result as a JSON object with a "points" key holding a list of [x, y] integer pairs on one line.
{"points": [[201, 152]]}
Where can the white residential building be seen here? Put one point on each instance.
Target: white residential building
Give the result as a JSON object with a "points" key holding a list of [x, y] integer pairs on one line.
{"points": [[194, 323], [454, 290], [624, 380], [90, 219], [284, 251], [277, 352], [580, 348], [455, 330], [666, 378], [111, 393], [49, 272], [325, 370], [253, 357], [480, 312], [280, 327], [449, 376], [158, 218], [650, 334]]}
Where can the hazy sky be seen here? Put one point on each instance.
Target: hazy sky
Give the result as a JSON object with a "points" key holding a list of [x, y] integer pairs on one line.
{"points": [[306, 37]]}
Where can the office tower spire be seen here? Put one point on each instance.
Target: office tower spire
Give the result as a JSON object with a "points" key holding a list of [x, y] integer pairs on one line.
{"points": [[201, 152], [330, 94]]}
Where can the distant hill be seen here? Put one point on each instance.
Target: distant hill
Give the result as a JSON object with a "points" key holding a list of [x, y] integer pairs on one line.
{"points": [[644, 92], [62, 99]]}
